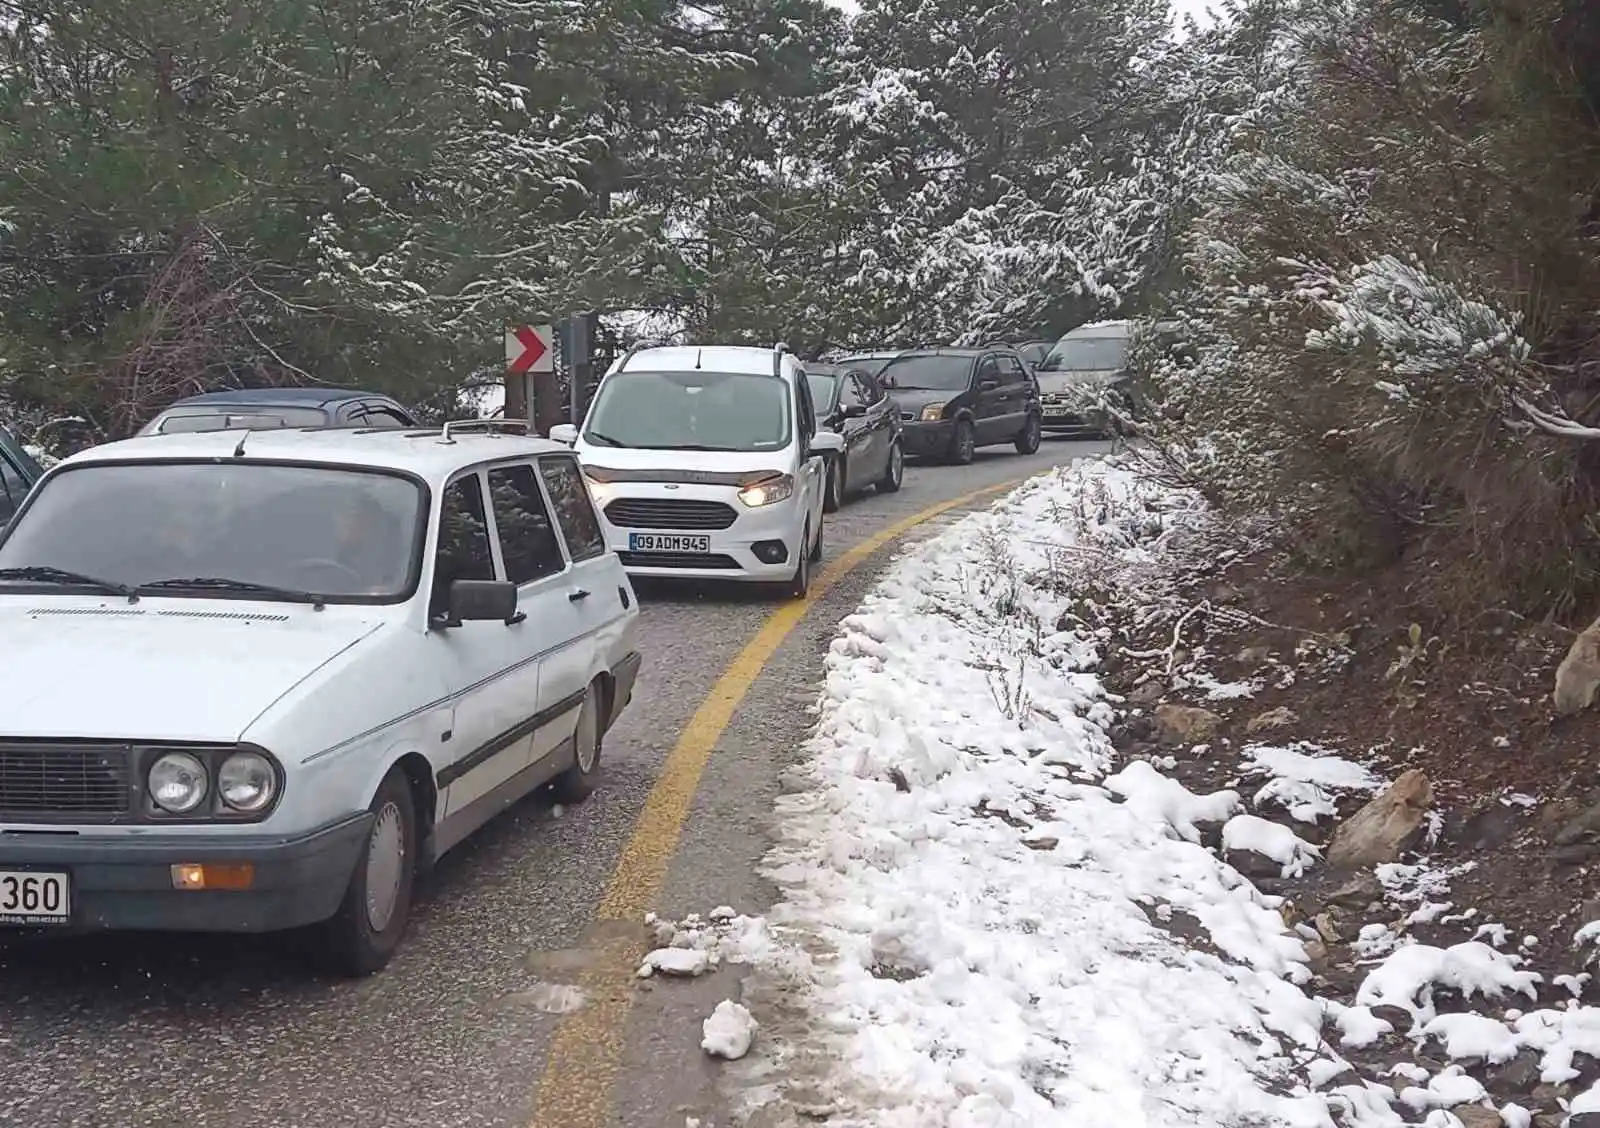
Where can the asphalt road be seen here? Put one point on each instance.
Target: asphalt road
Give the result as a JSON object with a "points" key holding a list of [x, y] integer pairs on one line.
{"points": [[140, 1031]]}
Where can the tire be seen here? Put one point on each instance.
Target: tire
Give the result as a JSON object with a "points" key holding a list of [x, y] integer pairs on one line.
{"points": [[833, 485], [815, 555], [963, 443], [894, 470], [360, 939], [577, 783], [799, 585], [1032, 433]]}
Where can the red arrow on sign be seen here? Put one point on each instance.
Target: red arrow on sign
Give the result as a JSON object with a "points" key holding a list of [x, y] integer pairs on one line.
{"points": [[533, 349]]}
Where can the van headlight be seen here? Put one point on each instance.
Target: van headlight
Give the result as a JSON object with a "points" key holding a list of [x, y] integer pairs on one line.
{"points": [[247, 782], [178, 783], [768, 491], [932, 413]]}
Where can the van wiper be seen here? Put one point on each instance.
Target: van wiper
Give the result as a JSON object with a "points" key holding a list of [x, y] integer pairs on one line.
{"points": [[46, 574], [604, 440], [226, 583]]}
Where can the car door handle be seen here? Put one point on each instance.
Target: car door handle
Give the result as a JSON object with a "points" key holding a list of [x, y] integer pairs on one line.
{"points": [[517, 617], [575, 596]]}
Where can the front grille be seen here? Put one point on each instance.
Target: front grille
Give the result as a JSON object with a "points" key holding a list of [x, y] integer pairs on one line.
{"points": [[669, 513], [63, 779], [678, 560]]}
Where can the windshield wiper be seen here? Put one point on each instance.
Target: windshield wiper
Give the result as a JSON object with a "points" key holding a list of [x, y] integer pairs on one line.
{"points": [[225, 583], [46, 574], [604, 440]]}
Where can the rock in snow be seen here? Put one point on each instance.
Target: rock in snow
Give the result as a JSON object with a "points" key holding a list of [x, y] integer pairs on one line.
{"points": [[1384, 827], [729, 1031]]}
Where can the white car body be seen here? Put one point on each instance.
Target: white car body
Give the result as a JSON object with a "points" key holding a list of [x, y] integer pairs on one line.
{"points": [[1066, 392], [472, 713], [687, 513]]}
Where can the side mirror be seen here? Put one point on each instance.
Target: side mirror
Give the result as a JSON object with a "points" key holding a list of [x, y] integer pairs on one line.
{"points": [[827, 442], [852, 411], [477, 601], [565, 433]]}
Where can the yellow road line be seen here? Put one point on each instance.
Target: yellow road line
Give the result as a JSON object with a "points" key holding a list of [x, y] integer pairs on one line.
{"points": [[586, 1051]]}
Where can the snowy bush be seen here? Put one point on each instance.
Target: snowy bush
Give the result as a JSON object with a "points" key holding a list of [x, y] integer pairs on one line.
{"points": [[1380, 285]]}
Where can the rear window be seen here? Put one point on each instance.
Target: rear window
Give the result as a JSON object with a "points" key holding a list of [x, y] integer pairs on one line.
{"points": [[190, 420]]}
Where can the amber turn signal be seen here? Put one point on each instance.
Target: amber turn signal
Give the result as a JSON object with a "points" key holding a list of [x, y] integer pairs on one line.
{"points": [[213, 875]]}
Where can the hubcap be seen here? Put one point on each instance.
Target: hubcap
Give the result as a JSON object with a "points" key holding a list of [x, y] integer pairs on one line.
{"points": [[386, 853], [588, 732]]}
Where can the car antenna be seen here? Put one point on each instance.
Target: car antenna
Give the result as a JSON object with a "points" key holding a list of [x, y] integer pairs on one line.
{"points": [[698, 352], [238, 451]]}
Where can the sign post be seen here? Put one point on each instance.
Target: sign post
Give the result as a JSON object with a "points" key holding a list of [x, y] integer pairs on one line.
{"points": [[530, 374]]}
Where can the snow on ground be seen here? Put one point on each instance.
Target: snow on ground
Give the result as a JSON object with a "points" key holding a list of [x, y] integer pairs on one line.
{"points": [[998, 905], [985, 921]]}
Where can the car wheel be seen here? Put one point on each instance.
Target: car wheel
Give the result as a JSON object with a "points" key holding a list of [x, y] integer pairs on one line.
{"points": [[1028, 438], [362, 936], [577, 783], [799, 584], [895, 471], [963, 442], [833, 486]]}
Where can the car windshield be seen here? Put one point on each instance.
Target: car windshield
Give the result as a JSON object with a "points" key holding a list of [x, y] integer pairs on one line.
{"points": [[1086, 354], [192, 419], [824, 388], [691, 410], [872, 364], [929, 372], [251, 529]]}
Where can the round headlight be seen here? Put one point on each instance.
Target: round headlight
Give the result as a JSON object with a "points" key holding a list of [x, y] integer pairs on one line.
{"points": [[247, 782], [178, 783]]}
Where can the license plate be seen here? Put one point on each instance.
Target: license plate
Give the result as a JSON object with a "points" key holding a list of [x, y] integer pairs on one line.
{"points": [[30, 897], [667, 542]]}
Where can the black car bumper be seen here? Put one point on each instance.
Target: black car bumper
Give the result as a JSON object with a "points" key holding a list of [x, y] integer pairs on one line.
{"points": [[126, 882], [927, 439]]}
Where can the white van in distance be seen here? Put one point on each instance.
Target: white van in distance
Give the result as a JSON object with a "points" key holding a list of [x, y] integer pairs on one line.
{"points": [[705, 462]]}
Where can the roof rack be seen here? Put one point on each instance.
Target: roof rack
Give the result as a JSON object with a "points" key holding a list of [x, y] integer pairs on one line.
{"points": [[521, 426], [642, 343]]}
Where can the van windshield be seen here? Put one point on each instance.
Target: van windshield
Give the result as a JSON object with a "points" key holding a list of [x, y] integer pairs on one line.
{"points": [[1086, 354], [691, 411]]}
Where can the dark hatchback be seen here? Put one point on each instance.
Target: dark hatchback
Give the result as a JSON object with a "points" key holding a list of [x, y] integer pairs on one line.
{"points": [[855, 405], [18, 472], [263, 409], [954, 400]]}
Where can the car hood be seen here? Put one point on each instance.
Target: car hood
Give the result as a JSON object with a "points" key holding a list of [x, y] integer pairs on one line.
{"points": [[116, 671], [914, 399], [709, 466], [1063, 377]]}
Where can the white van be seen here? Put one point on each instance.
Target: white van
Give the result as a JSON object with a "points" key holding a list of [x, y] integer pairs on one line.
{"points": [[706, 462]]}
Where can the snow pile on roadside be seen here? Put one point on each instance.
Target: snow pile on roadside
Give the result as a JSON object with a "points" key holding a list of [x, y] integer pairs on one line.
{"points": [[1011, 934]]}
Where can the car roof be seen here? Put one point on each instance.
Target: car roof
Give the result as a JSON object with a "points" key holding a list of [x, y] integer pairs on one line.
{"points": [[417, 450], [750, 359], [278, 397]]}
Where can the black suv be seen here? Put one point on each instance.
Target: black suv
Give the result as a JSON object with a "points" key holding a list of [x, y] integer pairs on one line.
{"points": [[954, 400], [18, 472]]}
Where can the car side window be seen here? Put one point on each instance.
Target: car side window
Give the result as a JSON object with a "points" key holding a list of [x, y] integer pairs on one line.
{"points": [[380, 416], [806, 419], [988, 369], [863, 389], [463, 552], [12, 489], [850, 393], [528, 542], [574, 508], [1011, 371]]}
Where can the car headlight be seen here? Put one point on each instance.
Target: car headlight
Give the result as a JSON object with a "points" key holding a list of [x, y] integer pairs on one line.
{"points": [[768, 491], [247, 782], [178, 783], [932, 413]]}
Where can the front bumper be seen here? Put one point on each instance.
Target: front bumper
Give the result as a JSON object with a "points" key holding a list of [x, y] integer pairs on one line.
{"points": [[730, 554], [125, 881], [927, 440]]}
